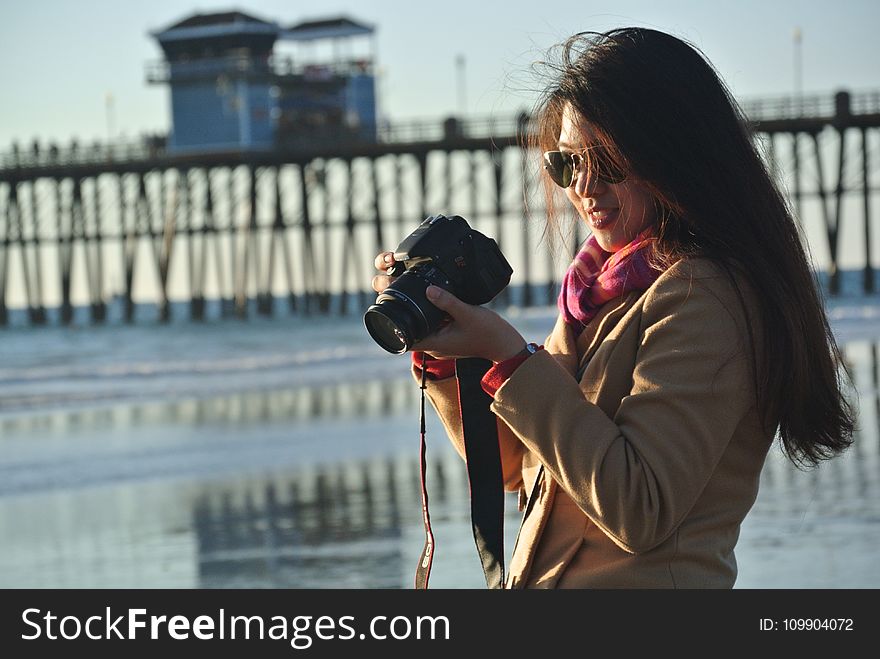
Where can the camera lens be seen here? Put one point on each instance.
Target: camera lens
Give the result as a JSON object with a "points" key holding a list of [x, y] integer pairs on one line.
{"points": [[402, 314], [390, 325]]}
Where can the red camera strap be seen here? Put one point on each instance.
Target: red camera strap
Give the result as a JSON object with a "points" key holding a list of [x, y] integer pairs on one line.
{"points": [[423, 571], [483, 459]]}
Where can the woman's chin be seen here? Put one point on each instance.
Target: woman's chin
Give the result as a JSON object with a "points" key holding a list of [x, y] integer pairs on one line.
{"points": [[607, 241]]}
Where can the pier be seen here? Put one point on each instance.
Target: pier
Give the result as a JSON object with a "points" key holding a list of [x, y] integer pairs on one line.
{"points": [[293, 229]]}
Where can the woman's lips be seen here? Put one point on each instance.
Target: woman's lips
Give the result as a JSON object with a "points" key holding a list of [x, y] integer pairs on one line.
{"points": [[600, 218]]}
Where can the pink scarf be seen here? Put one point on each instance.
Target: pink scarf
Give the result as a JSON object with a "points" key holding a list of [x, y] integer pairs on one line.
{"points": [[596, 276]]}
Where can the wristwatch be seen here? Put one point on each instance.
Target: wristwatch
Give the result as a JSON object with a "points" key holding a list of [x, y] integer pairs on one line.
{"points": [[530, 349]]}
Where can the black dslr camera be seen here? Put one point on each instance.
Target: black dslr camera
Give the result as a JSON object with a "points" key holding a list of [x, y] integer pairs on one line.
{"points": [[446, 252]]}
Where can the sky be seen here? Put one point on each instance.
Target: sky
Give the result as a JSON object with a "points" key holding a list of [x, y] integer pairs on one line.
{"points": [[77, 69]]}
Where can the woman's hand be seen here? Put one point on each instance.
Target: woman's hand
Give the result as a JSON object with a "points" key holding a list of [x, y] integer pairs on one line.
{"points": [[473, 331]]}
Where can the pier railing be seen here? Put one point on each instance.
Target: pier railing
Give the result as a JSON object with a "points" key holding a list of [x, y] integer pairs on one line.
{"points": [[36, 157], [826, 106]]}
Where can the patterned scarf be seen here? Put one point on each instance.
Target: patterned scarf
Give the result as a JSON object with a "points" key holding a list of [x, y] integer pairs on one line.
{"points": [[596, 276]]}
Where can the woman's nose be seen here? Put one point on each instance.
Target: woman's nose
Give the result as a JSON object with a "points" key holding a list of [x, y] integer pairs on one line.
{"points": [[586, 184]]}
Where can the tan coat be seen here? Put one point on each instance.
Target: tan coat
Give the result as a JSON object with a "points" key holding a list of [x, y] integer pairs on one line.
{"points": [[638, 472]]}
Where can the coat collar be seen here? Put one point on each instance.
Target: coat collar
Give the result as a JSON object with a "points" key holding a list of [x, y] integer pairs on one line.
{"points": [[573, 353]]}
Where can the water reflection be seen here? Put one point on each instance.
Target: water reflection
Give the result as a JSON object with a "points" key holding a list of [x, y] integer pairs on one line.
{"points": [[319, 488], [338, 526], [342, 400]]}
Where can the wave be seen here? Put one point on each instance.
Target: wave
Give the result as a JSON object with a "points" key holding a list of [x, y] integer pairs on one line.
{"points": [[48, 368]]}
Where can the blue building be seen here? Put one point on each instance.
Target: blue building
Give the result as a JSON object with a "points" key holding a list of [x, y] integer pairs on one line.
{"points": [[231, 90]]}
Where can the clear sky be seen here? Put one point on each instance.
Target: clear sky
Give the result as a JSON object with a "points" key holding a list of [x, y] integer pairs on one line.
{"points": [[60, 60]]}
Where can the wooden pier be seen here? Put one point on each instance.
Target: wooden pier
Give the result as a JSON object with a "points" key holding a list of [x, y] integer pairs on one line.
{"points": [[294, 231]]}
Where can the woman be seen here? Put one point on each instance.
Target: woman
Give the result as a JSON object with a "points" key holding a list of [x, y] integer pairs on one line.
{"points": [[690, 332]]}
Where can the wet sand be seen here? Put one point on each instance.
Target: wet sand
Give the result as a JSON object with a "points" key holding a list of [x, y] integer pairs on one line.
{"points": [[172, 496]]}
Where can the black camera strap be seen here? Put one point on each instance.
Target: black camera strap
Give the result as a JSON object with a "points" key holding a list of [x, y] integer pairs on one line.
{"points": [[483, 458]]}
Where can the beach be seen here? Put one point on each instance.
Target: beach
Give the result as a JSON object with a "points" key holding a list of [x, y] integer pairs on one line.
{"points": [[283, 453]]}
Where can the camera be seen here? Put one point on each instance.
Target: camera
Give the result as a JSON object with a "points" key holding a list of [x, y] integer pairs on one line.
{"points": [[443, 251]]}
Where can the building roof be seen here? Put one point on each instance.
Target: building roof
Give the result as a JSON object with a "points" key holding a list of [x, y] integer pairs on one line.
{"points": [[217, 18], [222, 25], [328, 28]]}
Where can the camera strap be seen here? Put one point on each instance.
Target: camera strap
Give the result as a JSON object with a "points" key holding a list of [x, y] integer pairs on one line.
{"points": [[483, 460], [483, 457], [423, 571]]}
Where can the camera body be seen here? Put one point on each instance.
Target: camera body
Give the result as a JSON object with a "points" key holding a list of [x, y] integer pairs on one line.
{"points": [[443, 251]]}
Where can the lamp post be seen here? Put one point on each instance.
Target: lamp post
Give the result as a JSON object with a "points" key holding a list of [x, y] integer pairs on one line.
{"points": [[108, 104], [462, 102], [798, 70]]}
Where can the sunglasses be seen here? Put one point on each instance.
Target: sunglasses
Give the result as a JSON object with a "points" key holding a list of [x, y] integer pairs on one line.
{"points": [[563, 166]]}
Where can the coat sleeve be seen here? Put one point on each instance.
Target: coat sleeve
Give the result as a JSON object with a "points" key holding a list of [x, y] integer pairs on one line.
{"points": [[443, 395], [637, 475]]}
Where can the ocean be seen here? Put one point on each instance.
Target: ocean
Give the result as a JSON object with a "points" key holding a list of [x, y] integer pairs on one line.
{"points": [[283, 452]]}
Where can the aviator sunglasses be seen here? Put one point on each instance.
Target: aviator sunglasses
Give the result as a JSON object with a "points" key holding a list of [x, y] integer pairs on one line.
{"points": [[562, 166]]}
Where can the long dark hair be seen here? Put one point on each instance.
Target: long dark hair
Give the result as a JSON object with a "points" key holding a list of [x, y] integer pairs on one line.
{"points": [[672, 123]]}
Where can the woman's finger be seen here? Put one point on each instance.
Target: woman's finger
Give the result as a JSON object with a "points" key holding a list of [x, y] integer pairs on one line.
{"points": [[446, 301], [381, 282], [384, 260]]}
